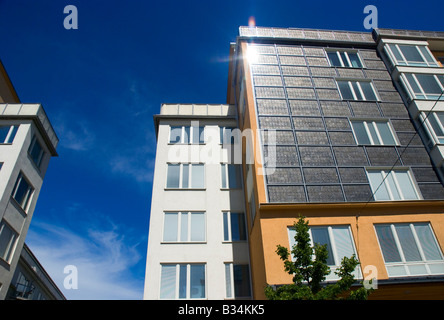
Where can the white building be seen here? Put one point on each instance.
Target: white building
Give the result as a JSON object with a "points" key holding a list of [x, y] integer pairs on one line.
{"points": [[198, 246], [27, 142]]}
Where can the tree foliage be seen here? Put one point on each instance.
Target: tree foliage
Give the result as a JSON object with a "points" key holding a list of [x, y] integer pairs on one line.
{"points": [[309, 270]]}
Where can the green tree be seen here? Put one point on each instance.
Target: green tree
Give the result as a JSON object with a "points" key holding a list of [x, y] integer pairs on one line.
{"points": [[309, 274]]}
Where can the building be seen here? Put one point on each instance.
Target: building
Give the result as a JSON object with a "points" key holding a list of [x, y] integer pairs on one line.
{"points": [[31, 281], [27, 142], [197, 245], [340, 127]]}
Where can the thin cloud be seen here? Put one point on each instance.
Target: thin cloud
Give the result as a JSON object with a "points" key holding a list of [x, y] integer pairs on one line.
{"points": [[103, 258]]}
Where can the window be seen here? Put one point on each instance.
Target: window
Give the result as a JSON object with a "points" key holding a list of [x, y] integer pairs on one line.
{"points": [[409, 55], [186, 176], [36, 152], [344, 59], [22, 192], [396, 184], [187, 135], [229, 135], [237, 277], [184, 227], [234, 226], [436, 124], [8, 238], [357, 90], [182, 281], [7, 133], [424, 86], [231, 176], [373, 132], [339, 243], [410, 249]]}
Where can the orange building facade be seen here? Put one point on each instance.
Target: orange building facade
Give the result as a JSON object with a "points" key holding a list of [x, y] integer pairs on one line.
{"points": [[335, 139]]}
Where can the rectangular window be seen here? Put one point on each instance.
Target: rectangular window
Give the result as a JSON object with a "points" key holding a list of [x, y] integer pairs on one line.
{"points": [[229, 135], [7, 134], [234, 226], [435, 121], [187, 135], [231, 176], [22, 192], [185, 176], [424, 86], [36, 152], [184, 227], [410, 55], [373, 132], [397, 184], [357, 90], [410, 249], [237, 280], [339, 243], [182, 281], [8, 239], [344, 59]]}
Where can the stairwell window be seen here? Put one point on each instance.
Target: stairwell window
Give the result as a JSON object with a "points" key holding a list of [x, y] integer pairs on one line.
{"points": [[373, 132], [396, 184], [357, 90], [237, 280], [234, 226], [7, 134], [410, 249], [187, 135], [182, 281], [8, 239], [347, 59], [22, 192], [185, 176], [184, 227], [231, 176]]}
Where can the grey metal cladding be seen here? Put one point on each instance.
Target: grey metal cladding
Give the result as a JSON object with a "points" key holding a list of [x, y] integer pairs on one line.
{"points": [[350, 156], [325, 193], [286, 194], [358, 192], [316, 156], [321, 175], [284, 175], [383, 156]]}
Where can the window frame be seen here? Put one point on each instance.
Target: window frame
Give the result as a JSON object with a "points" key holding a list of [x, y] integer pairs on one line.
{"points": [[370, 121], [400, 251], [10, 136], [347, 58], [190, 135], [388, 49], [229, 271], [225, 176], [187, 281], [352, 90], [39, 159], [334, 248], [423, 95], [12, 242], [28, 193], [190, 176], [438, 139], [180, 227], [384, 171], [228, 226]]}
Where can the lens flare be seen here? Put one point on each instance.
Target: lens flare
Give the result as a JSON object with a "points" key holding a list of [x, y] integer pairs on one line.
{"points": [[252, 22]]}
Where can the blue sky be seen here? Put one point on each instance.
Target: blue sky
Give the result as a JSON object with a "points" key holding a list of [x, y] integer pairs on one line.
{"points": [[100, 86]]}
